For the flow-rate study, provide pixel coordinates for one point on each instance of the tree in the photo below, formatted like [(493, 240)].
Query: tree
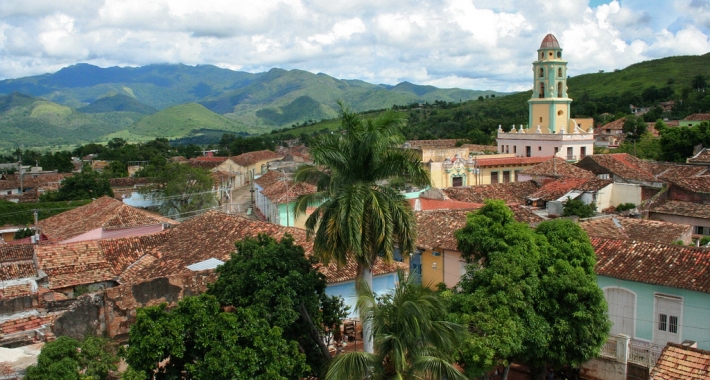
[(412, 337), (88, 184), (116, 143), (182, 190), (534, 297), (198, 340), (699, 83), (276, 280), (575, 207), (116, 169), (634, 127), (67, 358), (59, 161), (357, 218)]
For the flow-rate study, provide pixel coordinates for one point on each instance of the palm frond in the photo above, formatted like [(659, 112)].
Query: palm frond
[(354, 366)]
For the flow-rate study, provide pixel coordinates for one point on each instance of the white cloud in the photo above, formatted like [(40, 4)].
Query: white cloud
[(481, 44)]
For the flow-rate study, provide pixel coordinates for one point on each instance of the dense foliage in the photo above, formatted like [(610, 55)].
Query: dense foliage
[(88, 184), (67, 358), (529, 296), (182, 190), (575, 207), (22, 214)]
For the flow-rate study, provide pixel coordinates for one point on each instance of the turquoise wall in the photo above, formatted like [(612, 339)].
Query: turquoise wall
[(696, 309), (380, 285)]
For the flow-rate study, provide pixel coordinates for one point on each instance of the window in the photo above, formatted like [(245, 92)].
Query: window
[(673, 324), (570, 153), (662, 321), (559, 91), (668, 320), (507, 149), (559, 72), (700, 230), (539, 149), (542, 72), (557, 149), (506, 176), (528, 151), (517, 173), (550, 54), (559, 54), (542, 55), (515, 149), (582, 152), (541, 119), (560, 113), (457, 181), (542, 90), (494, 177)]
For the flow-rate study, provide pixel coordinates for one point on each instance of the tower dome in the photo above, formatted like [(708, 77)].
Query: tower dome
[(549, 42)]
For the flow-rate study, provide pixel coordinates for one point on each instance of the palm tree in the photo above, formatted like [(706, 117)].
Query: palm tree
[(359, 217), (412, 339), (699, 83)]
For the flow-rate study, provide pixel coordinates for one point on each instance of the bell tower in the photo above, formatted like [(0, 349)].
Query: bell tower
[(550, 105)]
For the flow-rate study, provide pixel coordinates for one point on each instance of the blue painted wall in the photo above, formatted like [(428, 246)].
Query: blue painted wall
[(380, 285), (696, 309)]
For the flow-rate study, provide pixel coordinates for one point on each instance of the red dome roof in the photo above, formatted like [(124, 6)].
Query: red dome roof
[(549, 42)]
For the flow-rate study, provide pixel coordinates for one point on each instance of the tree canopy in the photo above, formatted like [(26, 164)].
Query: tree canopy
[(88, 184), (67, 358), (181, 190), (529, 295), (201, 341)]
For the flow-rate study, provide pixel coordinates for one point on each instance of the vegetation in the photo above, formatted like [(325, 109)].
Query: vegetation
[(88, 184), (359, 219), (412, 338), (67, 358), (625, 206), (198, 340), (278, 282), (575, 207), (530, 296), (22, 214), (182, 190)]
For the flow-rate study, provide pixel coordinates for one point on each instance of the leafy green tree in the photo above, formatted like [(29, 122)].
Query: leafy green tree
[(198, 340), (530, 296), (116, 169), (23, 233), (677, 144), (276, 280), (67, 358), (88, 184), (358, 218), (647, 148), (59, 161), (699, 83), (413, 339), (575, 207), (634, 127), (182, 190), (116, 143)]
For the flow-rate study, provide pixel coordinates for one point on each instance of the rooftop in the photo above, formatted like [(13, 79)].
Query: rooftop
[(694, 184), (557, 167), (496, 161), (703, 157), (549, 42), (556, 189), (698, 117), (281, 192), (695, 210), (251, 158), (678, 362), (622, 165), (670, 265), (512, 192), (635, 229), (270, 177)]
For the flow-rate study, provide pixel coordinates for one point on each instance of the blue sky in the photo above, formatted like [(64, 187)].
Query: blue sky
[(476, 44)]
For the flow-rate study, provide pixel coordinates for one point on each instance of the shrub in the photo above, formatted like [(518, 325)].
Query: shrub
[(625, 206)]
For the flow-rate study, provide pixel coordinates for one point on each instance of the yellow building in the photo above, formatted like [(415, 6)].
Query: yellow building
[(550, 130), (479, 169)]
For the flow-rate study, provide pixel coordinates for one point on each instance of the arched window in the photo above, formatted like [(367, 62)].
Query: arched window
[(542, 72), (559, 72), (559, 54), (542, 55), (542, 89), (559, 89)]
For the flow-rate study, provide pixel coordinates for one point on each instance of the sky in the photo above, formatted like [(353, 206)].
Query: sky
[(472, 44)]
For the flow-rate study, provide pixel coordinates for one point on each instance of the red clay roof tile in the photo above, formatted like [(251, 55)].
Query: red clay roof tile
[(682, 363)]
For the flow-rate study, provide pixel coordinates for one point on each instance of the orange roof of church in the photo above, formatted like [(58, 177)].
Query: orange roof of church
[(549, 42)]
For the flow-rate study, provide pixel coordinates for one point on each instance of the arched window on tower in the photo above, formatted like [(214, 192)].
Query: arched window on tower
[(542, 72), (542, 55), (542, 90), (559, 72), (559, 54), (559, 89)]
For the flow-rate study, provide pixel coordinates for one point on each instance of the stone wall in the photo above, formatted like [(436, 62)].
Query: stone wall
[(122, 301)]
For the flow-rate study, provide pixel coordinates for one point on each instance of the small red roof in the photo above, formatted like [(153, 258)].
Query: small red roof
[(549, 42)]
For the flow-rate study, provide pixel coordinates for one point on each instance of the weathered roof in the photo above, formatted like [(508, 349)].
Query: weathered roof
[(635, 229), (123, 252), (512, 192), (104, 212), (616, 125), (129, 181), (436, 227), (17, 261), (698, 117), (623, 165), (251, 158), (695, 210), (556, 168), (678, 362), (441, 143), (670, 265), (12, 181), (426, 204), (271, 177), (668, 171), (509, 161), (703, 157), (73, 264), (281, 192), (15, 252), (694, 184), (549, 42), (554, 190)]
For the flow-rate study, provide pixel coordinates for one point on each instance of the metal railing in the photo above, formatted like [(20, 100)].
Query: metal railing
[(644, 353), (609, 348)]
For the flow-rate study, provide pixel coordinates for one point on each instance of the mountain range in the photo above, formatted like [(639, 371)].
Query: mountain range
[(82, 103)]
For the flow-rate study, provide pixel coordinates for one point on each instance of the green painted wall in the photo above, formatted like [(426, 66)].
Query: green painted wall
[(696, 309)]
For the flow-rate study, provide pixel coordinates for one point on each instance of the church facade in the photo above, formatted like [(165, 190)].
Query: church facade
[(550, 129)]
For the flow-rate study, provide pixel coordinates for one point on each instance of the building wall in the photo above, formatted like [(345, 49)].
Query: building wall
[(544, 144), (679, 194), (604, 197), (440, 178), (679, 219), (625, 193), (694, 322), (446, 267), (380, 285)]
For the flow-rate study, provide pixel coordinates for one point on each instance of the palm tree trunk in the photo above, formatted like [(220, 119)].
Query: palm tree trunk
[(506, 371), (314, 331), (367, 325)]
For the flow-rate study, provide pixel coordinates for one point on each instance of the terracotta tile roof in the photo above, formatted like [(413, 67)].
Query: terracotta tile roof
[(442, 143), (206, 164), (349, 272), (703, 157), (436, 227), (104, 212), (15, 252), (635, 229), (17, 269), (251, 158), (281, 192), (670, 265), (623, 165), (616, 125), (669, 171), (556, 168), (594, 184), (425, 204), (682, 363), (553, 190), (13, 291), (512, 192), (681, 208), (270, 177), (510, 161), (73, 264), (694, 184), (480, 148), (134, 272), (28, 182), (122, 253), (129, 181), (698, 117)]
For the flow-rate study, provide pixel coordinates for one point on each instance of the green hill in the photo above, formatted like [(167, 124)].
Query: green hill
[(179, 121), (117, 103)]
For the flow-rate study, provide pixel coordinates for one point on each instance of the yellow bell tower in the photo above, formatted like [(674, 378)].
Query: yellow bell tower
[(549, 105)]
